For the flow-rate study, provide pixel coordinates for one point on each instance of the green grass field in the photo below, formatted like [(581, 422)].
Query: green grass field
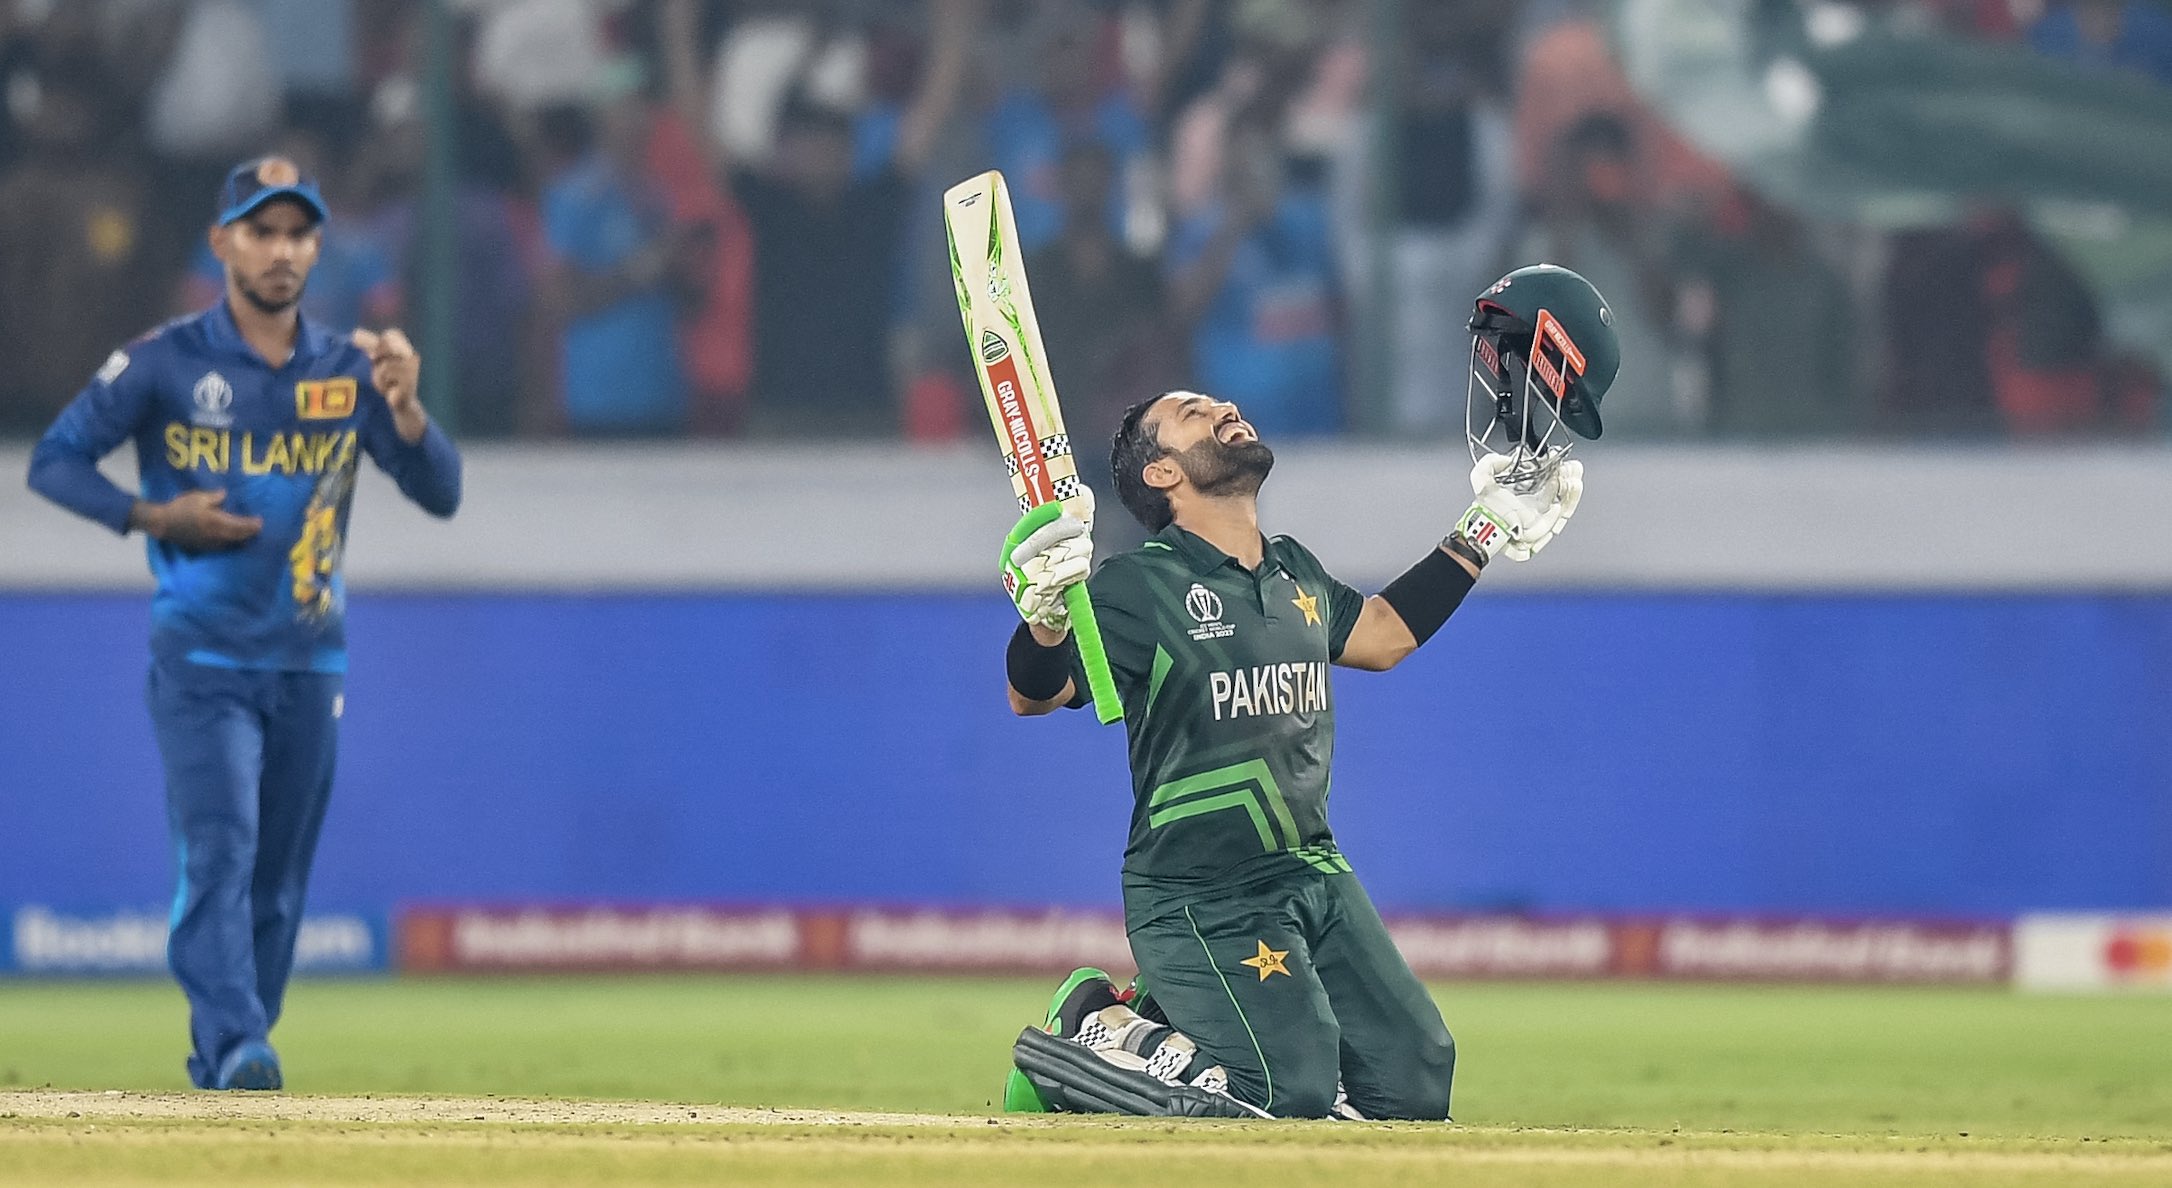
[(1558, 1084)]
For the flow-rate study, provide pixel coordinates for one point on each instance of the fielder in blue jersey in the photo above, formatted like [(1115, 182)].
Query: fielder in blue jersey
[(248, 422)]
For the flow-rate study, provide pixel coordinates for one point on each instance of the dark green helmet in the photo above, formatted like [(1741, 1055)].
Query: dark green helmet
[(1544, 329)]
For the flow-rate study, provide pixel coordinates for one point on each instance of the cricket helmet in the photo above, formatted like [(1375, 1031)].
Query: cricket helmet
[(1543, 354)]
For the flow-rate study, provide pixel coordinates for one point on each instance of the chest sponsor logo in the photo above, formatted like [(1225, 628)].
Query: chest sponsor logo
[(1265, 689), (214, 400), (325, 399), (1205, 608)]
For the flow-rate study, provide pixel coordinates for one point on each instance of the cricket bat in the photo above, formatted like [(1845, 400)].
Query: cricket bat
[(990, 274)]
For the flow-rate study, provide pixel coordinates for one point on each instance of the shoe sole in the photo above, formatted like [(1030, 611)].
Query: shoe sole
[(1019, 1095), (255, 1074)]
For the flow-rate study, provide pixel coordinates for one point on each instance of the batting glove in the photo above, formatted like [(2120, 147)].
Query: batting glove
[(1502, 520), (1046, 553), (1567, 483)]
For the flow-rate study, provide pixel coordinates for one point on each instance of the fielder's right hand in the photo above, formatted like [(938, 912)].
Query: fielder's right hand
[(1046, 553), (195, 521)]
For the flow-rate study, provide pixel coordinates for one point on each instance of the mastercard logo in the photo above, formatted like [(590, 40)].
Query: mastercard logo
[(2139, 953)]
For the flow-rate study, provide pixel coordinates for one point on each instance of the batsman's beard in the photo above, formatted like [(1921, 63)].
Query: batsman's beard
[(1221, 469)]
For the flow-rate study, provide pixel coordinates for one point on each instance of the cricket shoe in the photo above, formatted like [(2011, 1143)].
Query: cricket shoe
[(1343, 1110), (253, 1065), (1081, 996)]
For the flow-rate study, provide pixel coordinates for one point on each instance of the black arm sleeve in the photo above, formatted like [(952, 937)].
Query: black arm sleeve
[(1428, 593), (1037, 673)]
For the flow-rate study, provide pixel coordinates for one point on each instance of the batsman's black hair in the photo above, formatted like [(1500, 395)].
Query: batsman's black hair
[(1134, 446)]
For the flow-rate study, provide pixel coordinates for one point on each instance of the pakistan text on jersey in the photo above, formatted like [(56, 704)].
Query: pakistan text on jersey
[(191, 448), (1269, 689)]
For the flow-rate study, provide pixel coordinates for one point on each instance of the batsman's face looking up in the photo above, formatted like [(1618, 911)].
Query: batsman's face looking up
[(1206, 446), (268, 253)]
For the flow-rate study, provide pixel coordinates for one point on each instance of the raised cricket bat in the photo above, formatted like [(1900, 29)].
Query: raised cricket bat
[(986, 264)]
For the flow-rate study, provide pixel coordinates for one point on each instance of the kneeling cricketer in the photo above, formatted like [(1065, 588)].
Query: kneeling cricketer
[(1268, 986)]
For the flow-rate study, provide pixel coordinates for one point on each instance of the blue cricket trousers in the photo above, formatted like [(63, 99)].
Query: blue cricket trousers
[(248, 757)]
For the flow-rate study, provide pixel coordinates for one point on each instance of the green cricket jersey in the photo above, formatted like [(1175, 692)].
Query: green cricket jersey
[(1231, 722)]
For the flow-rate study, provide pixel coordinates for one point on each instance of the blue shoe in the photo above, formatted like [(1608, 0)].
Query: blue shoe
[(251, 1066)]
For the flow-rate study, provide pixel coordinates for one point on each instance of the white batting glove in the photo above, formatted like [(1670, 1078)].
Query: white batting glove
[(1567, 483), (1046, 553), (1501, 520)]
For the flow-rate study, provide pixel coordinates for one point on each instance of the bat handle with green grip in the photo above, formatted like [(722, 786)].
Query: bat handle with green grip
[(1086, 629)]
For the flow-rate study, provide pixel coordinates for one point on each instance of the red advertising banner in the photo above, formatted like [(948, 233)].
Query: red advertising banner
[(621, 938), (542, 938), (1508, 946), (539, 939), (983, 941), (1810, 950)]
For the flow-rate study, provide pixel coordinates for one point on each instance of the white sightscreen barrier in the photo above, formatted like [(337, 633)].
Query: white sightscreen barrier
[(842, 516)]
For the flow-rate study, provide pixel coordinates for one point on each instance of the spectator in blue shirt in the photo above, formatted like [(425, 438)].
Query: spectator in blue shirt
[(1253, 273), (2108, 34), (616, 277), (1064, 102)]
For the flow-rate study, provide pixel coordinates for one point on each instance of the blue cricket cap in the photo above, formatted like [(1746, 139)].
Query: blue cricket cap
[(268, 179)]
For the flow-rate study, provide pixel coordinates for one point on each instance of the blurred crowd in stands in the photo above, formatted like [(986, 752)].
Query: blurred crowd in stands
[(698, 217)]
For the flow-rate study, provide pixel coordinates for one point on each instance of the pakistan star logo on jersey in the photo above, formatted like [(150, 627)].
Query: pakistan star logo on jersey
[(1269, 961), (1309, 604)]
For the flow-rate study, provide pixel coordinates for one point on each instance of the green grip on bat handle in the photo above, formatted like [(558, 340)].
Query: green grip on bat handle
[(1086, 629)]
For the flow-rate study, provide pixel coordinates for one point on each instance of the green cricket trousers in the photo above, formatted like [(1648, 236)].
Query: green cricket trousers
[(1295, 988)]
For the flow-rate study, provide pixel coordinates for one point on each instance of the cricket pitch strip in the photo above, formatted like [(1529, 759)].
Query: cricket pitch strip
[(130, 1138)]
